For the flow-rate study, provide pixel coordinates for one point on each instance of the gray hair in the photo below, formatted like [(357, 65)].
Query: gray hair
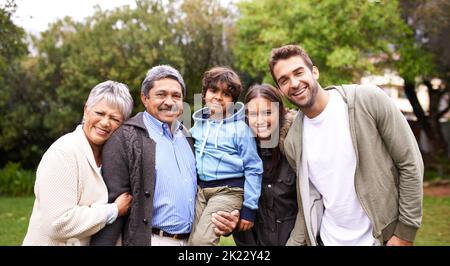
[(160, 72), (115, 93)]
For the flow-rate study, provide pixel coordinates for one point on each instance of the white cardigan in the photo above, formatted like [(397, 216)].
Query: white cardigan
[(71, 195)]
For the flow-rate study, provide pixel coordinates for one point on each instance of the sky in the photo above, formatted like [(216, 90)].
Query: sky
[(35, 15)]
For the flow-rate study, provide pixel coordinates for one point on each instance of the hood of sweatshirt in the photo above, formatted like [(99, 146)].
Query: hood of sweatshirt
[(226, 149), (203, 115)]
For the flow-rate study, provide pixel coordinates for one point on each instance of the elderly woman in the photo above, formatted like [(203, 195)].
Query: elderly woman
[(71, 196), (270, 121)]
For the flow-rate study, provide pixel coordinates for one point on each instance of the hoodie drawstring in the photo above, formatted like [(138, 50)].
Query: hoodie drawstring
[(208, 127), (217, 133), (202, 148)]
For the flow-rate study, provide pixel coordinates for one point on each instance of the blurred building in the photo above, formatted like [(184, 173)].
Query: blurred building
[(392, 84)]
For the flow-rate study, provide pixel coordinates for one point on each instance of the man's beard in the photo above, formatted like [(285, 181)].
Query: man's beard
[(312, 99)]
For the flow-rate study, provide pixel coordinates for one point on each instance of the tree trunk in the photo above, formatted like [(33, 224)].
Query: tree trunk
[(429, 123)]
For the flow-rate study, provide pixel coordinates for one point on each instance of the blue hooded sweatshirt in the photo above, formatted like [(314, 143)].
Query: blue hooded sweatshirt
[(226, 149)]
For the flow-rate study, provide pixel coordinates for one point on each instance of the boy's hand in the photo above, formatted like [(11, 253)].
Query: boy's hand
[(244, 225)]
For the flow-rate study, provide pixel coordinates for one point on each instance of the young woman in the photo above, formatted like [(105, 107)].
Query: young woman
[(270, 122)]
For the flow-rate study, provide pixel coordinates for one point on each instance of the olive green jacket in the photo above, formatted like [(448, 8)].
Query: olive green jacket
[(389, 171)]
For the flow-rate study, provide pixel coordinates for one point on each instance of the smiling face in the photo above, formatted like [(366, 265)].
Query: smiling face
[(263, 117), (100, 121), (164, 101), (297, 81)]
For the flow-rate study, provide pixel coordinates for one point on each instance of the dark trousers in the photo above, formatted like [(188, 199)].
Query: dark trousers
[(319, 240)]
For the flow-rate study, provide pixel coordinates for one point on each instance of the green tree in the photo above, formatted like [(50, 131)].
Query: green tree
[(205, 33), (45, 94), (122, 44), (19, 103), (119, 45), (342, 37), (345, 39), (12, 45), (430, 21)]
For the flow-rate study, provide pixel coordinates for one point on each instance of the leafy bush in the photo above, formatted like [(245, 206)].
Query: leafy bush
[(15, 181), (437, 169)]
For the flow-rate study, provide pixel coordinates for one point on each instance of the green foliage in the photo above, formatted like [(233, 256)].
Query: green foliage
[(49, 90), (12, 45), (437, 168), (14, 181), (431, 23), (206, 33), (42, 95), (12, 50), (414, 62), (343, 38), (119, 45)]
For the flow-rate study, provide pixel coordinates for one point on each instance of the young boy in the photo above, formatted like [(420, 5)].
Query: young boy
[(228, 165)]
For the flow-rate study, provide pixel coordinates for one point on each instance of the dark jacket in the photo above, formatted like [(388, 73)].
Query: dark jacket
[(277, 210), (129, 166)]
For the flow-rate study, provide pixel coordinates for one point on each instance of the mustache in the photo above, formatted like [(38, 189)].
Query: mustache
[(173, 108)]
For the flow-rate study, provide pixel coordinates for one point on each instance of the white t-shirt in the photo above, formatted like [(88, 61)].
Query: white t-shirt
[(331, 161)]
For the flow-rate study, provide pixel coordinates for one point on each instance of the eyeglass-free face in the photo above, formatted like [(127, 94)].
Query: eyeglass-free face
[(164, 101)]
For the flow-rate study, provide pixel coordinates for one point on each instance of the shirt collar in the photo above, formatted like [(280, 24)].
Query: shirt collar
[(161, 127)]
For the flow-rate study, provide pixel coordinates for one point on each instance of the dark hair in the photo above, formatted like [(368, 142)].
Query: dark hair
[(224, 75), (270, 93), (286, 52)]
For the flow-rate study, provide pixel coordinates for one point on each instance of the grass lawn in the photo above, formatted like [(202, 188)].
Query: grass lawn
[(14, 217), (435, 230)]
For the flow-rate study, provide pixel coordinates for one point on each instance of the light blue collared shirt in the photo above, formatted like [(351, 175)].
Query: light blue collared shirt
[(175, 178)]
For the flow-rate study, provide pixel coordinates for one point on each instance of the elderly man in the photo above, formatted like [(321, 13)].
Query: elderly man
[(151, 157)]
